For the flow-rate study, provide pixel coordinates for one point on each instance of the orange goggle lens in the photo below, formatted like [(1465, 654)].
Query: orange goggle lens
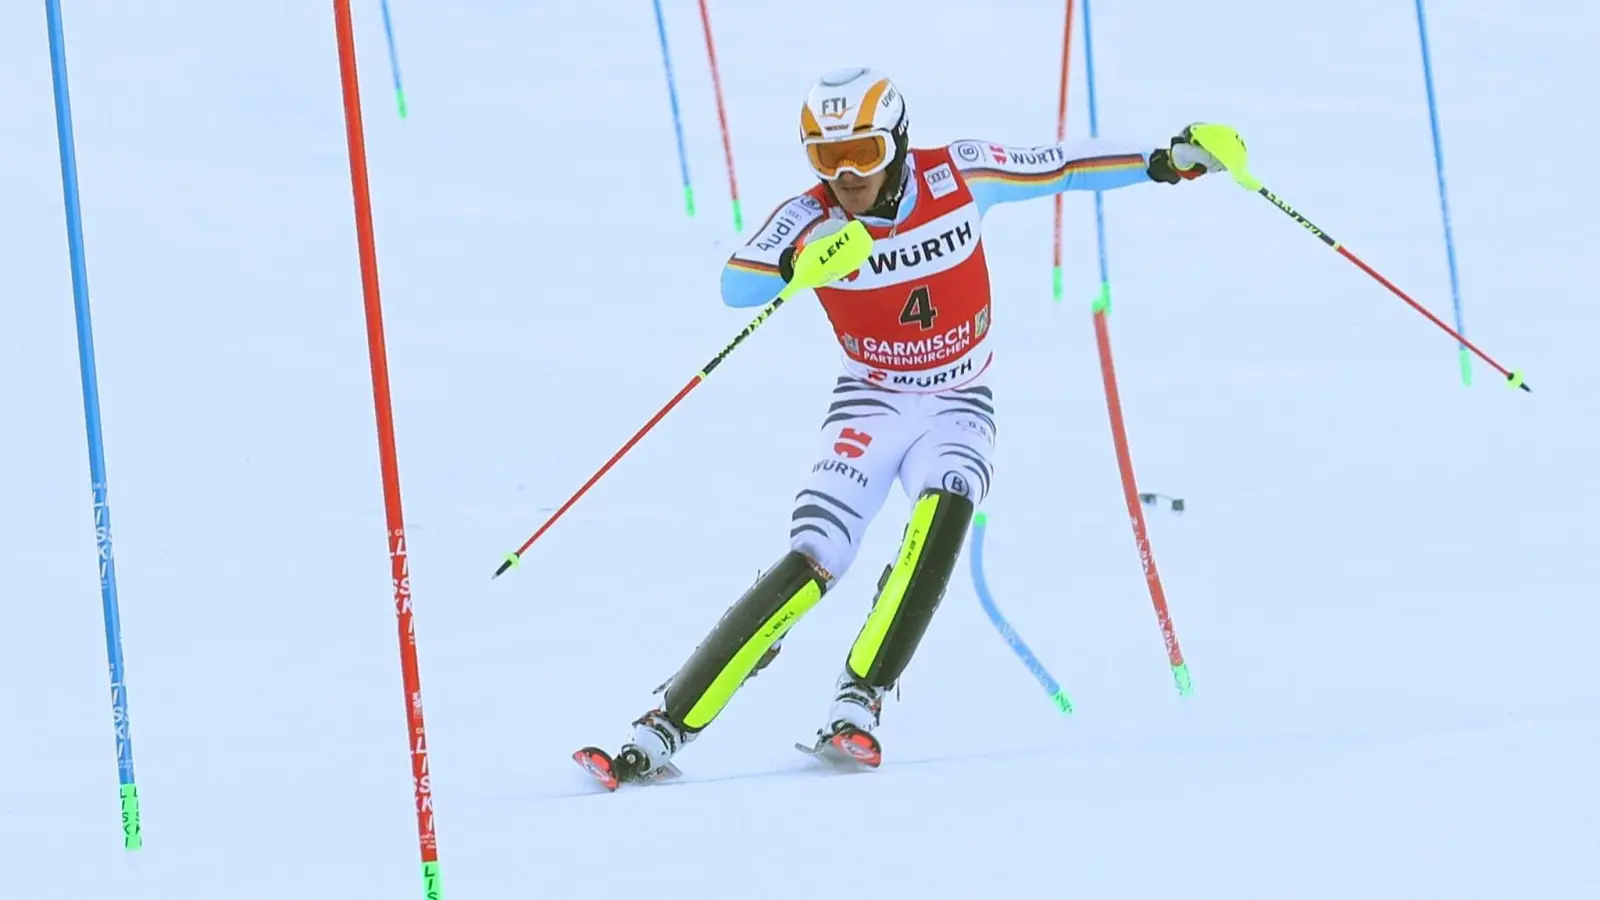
[(864, 155)]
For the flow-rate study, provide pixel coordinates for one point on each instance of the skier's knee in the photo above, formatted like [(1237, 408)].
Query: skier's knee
[(966, 476), (829, 556), (912, 588), (827, 529)]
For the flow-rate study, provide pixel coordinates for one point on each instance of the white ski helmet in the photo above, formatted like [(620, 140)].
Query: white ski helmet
[(855, 120)]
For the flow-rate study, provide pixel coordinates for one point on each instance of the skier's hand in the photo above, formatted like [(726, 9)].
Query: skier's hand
[(1183, 161), (822, 229), (839, 255)]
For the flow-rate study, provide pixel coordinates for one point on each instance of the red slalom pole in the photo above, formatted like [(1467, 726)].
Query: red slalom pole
[(1130, 491), (1056, 277), (722, 117), (400, 568)]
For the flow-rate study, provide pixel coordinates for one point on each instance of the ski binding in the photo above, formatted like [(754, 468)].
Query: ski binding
[(603, 769)]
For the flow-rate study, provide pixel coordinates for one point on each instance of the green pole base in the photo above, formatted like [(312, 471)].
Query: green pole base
[(132, 834), (1102, 303), (1180, 676), (431, 888), (1062, 702), (688, 199), (1466, 368), (1056, 283), (738, 217), (400, 100)]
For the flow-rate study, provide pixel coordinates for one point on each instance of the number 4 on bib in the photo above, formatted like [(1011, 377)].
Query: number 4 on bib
[(919, 309)]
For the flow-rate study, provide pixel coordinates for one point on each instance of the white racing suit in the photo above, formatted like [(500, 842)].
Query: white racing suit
[(911, 404)]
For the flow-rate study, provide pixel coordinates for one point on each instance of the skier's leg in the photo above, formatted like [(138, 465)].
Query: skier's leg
[(956, 450), (744, 634), (743, 641), (860, 450), (947, 471), (863, 442), (911, 588)]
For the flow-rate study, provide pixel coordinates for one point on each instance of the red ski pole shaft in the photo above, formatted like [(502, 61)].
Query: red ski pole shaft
[(512, 559), (1513, 377), (1056, 277), (1225, 144), (815, 264), (400, 567), (1229, 149), (1130, 491)]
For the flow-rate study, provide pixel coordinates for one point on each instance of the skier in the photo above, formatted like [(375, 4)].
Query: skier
[(911, 402)]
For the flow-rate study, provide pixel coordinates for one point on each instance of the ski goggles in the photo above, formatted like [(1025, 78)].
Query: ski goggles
[(864, 154)]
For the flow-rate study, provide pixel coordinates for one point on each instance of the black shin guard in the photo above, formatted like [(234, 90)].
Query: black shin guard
[(911, 590), (741, 638)]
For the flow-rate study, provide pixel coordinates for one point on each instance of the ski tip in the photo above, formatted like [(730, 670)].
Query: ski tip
[(598, 764), (849, 748), (858, 746)]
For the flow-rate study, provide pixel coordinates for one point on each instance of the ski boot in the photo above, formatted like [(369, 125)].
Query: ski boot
[(855, 713), (644, 760)]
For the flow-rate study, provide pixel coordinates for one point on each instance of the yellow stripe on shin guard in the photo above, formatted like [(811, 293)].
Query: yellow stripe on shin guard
[(870, 642), (744, 662)]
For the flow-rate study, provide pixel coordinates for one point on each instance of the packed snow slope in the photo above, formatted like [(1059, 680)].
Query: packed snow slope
[(1384, 581)]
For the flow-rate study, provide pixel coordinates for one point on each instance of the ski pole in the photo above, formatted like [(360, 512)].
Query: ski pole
[(826, 260), (1225, 144)]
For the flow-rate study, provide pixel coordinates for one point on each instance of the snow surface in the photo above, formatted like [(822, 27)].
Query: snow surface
[(1384, 581)]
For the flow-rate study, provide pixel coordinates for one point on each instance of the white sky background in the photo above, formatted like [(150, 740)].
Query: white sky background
[(1383, 583)]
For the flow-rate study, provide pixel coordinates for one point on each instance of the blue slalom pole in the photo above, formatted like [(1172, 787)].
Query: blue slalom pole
[(980, 523), (1102, 303), (132, 837), (1444, 201), (677, 120), (394, 60)]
